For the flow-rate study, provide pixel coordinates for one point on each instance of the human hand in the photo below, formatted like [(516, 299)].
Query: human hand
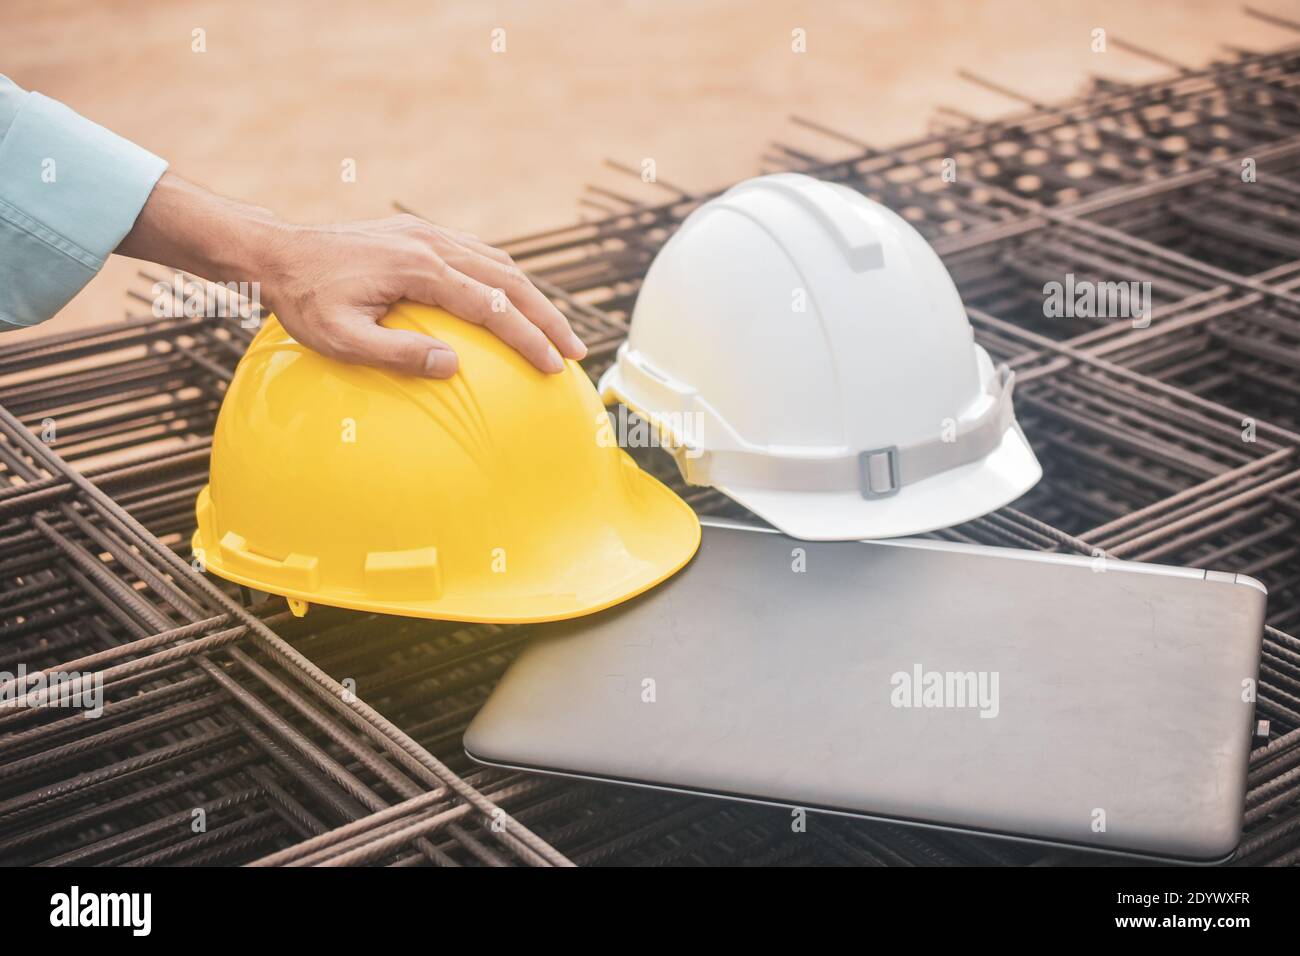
[(330, 285)]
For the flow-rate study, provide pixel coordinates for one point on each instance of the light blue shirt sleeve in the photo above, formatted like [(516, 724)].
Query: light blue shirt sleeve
[(70, 191)]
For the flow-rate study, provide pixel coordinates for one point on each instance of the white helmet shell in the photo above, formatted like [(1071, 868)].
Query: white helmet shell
[(803, 349)]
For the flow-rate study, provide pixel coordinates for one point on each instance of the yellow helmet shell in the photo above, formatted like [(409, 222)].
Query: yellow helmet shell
[(496, 495)]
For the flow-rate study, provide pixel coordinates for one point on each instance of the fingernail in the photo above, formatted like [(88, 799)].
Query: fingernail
[(553, 361), (440, 363), (580, 347)]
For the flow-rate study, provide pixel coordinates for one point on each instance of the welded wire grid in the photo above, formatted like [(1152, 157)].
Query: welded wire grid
[(235, 733)]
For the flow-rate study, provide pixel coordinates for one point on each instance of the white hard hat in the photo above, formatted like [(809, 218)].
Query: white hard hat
[(802, 349)]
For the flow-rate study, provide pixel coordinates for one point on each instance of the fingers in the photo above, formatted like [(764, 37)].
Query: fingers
[(430, 232), (475, 244), (489, 266), (362, 268), (358, 339), (529, 300), (491, 308)]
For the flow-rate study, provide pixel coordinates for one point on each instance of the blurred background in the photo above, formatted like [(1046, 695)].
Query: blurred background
[(502, 143)]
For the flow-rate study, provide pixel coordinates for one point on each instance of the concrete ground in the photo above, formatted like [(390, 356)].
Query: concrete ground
[(501, 143)]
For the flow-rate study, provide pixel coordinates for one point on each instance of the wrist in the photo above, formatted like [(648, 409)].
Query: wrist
[(266, 255), (242, 245), (188, 228), (235, 241)]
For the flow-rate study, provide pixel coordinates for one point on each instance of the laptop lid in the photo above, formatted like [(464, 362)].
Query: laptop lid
[(1050, 697)]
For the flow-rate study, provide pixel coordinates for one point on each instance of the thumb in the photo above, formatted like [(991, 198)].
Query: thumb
[(365, 342)]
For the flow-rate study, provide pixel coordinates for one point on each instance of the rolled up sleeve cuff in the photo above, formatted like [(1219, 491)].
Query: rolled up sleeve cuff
[(70, 191)]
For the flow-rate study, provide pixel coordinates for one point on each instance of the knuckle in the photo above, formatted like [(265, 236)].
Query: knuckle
[(423, 231), (479, 314), (497, 323), (408, 358), (408, 245), (515, 276), (421, 257)]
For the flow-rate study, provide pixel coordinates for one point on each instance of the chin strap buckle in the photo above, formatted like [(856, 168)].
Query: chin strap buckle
[(878, 472)]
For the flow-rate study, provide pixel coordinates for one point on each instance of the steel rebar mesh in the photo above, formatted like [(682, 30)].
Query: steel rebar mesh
[(272, 725)]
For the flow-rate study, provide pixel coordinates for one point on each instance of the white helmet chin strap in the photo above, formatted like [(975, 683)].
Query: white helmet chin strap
[(874, 473)]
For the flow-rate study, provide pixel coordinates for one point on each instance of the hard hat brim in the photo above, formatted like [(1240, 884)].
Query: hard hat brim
[(628, 567), (942, 501)]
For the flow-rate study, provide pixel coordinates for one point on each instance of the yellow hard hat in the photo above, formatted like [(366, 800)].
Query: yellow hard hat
[(496, 495)]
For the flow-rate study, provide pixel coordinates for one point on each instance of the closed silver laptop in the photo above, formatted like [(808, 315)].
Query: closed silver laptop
[(1067, 700)]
